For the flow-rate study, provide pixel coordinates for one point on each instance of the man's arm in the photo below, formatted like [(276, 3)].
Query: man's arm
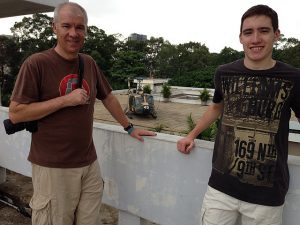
[(28, 112), (112, 104), (186, 144)]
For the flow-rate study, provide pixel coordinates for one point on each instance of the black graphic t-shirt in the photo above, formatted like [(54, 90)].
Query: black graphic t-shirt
[(251, 148)]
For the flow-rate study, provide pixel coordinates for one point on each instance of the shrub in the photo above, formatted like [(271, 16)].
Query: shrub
[(208, 134), (166, 91), (147, 89), (204, 95), (159, 128)]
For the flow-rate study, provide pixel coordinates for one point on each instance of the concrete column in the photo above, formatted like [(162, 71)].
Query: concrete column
[(126, 218), (2, 175)]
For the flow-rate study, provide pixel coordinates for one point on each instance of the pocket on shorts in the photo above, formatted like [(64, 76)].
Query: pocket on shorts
[(41, 210), (202, 213)]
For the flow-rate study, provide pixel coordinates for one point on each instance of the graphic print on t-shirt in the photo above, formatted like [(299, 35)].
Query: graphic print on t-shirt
[(252, 109), (70, 83)]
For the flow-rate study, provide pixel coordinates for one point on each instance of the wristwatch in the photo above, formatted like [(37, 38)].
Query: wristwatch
[(129, 127)]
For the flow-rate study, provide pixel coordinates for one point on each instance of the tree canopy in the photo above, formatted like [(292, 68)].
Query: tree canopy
[(188, 64)]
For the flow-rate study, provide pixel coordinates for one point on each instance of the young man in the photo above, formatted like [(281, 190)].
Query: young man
[(253, 97), (65, 172)]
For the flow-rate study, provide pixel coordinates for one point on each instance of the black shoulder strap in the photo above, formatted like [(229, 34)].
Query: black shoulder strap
[(80, 71)]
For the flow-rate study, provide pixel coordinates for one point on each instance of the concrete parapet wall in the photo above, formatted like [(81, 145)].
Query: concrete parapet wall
[(149, 180)]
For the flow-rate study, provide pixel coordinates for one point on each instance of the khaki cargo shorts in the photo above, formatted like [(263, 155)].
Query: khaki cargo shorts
[(66, 196)]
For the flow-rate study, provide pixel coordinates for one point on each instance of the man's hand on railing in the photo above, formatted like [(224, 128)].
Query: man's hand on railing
[(139, 133), (185, 145)]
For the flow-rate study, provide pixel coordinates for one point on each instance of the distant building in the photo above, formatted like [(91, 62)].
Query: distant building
[(137, 37)]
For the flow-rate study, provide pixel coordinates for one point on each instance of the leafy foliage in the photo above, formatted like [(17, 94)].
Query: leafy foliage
[(204, 95), (187, 64), (208, 134), (101, 47), (147, 89), (33, 34), (191, 123), (166, 90), (159, 128), (198, 78)]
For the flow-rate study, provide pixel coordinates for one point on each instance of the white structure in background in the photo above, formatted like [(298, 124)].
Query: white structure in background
[(155, 84), (9, 8)]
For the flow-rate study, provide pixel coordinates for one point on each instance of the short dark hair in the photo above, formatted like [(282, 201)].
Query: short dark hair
[(261, 10)]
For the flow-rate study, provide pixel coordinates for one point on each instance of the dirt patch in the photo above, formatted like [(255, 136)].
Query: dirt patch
[(17, 192), (10, 216)]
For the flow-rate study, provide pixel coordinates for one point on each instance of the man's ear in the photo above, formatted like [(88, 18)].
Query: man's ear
[(277, 35), (54, 27)]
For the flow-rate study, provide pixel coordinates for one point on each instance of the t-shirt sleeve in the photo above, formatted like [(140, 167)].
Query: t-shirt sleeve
[(218, 94), (26, 89), (103, 87)]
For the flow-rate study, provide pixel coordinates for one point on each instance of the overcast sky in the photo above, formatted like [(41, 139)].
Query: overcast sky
[(214, 23)]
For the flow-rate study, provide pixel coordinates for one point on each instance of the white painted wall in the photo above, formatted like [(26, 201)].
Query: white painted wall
[(150, 180)]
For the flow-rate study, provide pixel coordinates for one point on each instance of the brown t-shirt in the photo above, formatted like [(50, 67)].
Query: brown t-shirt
[(64, 138)]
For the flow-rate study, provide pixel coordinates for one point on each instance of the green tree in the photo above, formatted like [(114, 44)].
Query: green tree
[(166, 60), (188, 64), (154, 46), (101, 47), (128, 64), (228, 55), (9, 59), (199, 78), (287, 50), (34, 34), (8, 53), (193, 56)]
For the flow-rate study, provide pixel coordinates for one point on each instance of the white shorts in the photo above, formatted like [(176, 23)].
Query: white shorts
[(221, 209)]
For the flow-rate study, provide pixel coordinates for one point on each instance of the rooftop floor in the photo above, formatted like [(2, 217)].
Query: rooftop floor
[(171, 115)]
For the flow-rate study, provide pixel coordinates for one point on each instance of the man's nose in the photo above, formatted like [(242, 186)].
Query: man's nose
[(73, 31), (256, 37)]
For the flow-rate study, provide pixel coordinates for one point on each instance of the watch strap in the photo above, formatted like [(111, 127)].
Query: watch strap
[(128, 127)]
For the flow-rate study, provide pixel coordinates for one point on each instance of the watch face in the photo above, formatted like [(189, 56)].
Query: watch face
[(129, 126)]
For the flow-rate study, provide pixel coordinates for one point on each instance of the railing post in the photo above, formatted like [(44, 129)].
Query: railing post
[(2, 175), (126, 218)]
